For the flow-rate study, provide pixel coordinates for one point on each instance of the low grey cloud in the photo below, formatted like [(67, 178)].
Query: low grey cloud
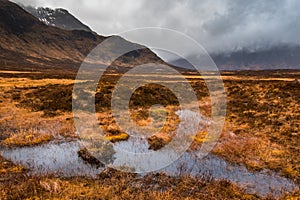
[(219, 25)]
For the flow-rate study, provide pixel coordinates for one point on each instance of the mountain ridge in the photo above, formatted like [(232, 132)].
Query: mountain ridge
[(28, 43), (58, 17)]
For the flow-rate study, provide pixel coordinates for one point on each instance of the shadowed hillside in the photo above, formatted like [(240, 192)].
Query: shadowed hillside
[(27, 43)]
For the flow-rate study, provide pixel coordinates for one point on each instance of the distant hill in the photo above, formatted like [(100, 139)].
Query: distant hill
[(277, 57), (60, 18)]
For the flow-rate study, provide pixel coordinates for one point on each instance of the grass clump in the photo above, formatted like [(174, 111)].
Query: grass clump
[(27, 139), (119, 137)]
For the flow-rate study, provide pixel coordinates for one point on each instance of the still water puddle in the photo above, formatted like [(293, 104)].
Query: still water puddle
[(62, 159), (53, 158), (262, 182)]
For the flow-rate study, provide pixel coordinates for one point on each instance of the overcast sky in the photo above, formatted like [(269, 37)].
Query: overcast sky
[(218, 25)]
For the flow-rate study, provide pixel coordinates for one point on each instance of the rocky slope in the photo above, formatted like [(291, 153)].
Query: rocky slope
[(60, 18)]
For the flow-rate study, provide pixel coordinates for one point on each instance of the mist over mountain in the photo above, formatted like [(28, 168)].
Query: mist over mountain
[(276, 57), (221, 26), (223, 34)]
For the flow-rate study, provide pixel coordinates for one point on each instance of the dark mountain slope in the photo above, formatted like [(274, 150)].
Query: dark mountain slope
[(26, 42)]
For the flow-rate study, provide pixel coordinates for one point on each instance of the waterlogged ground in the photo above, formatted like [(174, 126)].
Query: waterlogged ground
[(61, 159), (258, 150)]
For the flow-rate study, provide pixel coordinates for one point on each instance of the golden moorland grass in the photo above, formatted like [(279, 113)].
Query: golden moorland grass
[(258, 111), (261, 131), (264, 115), (22, 127), (29, 138), (112, 184)]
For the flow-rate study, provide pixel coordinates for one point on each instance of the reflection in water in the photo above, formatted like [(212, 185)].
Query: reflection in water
[(135, 155), (62, 159), (262, 182)]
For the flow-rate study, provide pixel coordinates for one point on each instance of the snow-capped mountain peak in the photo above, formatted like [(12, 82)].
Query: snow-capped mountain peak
[(58, 17)]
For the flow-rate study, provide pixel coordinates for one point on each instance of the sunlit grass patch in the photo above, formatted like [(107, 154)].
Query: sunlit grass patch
[(7, 168), (25, 82), (25, 138), (118, 137), (14, 169), (199, 138)]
